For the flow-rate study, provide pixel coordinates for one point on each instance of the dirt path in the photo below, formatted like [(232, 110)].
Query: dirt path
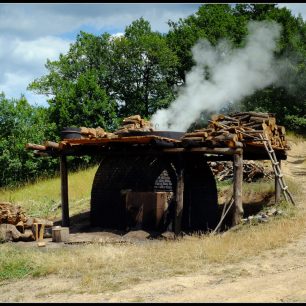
[(277, 275)]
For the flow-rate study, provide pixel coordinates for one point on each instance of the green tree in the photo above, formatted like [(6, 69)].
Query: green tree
[(78, 85), (21, 123), (286, 98), (143, 69), (211, 22), (103, 77)]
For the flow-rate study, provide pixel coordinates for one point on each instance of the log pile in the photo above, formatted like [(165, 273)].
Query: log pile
[(134, 123), (15, 225), (235, 129), (252, 171), (96, 133)]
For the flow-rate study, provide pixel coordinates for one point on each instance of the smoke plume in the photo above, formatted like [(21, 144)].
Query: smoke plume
[(223, 74)]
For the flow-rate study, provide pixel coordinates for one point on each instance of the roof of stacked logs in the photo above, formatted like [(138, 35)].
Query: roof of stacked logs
[(235, 129)]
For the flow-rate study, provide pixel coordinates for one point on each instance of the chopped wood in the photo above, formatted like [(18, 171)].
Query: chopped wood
[(246, 126), (252, 171)]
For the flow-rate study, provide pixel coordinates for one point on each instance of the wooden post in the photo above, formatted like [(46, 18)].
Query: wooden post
[(238, 177), (179, 203), (64, 191), (277, 187)]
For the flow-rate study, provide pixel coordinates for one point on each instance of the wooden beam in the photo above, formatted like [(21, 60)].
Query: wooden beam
[(34, 146), (64, 191), (179, 203), (277, 187), (238, 177), (226, 151), (52, 144)]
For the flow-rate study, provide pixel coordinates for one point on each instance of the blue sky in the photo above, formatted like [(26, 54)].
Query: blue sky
[(32, 33)]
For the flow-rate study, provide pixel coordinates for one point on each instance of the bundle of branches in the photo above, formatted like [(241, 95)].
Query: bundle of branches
[(252, 171), (133, 123), (234, 129)]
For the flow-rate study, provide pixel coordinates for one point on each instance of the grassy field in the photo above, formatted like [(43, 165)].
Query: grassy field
[(43, 198), (101, 268)]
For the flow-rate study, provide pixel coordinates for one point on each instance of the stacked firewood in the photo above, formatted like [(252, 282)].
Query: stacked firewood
[(15, 225), (133, 123), (96, 133), (252, 171), (235, 129)]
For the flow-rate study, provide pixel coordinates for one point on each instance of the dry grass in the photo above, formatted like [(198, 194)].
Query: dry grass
[(295, 138), (102, 268)]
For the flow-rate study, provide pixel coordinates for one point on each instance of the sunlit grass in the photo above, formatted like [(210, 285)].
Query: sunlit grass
[(101, 268), (104, 268), (42, 199)]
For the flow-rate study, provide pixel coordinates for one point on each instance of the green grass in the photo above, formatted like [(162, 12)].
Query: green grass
[(42, 199)]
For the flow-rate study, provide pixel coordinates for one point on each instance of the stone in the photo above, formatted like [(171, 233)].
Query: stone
[(168, 235), (137, 235)]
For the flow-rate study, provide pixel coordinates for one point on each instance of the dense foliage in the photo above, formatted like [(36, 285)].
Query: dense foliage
[(21, 123), (103, 78)]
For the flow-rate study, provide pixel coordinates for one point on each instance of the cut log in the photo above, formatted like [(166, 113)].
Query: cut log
[(51, 144), (33, 146), (196, 134), (9, 232), (11, 214)]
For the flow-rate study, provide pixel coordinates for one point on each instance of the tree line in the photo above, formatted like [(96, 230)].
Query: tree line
[(104, 78)]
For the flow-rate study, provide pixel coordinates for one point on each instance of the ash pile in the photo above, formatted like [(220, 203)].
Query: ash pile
[(252, 171), (15, 225)]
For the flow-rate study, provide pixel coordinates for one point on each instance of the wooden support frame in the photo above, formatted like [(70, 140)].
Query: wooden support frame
[(238, 178), (179, 203), (64, 191), (278, 189)]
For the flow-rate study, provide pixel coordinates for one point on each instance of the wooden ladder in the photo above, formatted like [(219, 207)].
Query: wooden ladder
[(276, 168)]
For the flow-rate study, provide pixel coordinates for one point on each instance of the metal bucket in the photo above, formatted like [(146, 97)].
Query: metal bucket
[(71, 133)]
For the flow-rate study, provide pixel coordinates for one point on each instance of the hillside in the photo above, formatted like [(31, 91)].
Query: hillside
[(263, 263)]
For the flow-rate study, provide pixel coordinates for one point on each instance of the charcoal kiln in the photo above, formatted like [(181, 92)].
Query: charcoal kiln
[(161, 180), (138, 192)]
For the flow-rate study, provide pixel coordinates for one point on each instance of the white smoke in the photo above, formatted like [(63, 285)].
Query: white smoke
[(223, 74)]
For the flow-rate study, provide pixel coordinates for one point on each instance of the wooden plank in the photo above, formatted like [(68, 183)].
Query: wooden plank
[(130, 139), (64, 190), (226, 151), (238, 176)]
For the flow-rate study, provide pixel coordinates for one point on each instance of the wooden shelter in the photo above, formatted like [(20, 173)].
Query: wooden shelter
[(231, 138)]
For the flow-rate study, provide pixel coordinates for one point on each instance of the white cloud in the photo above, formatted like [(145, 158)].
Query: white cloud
[(30, 33), (22, 61), (295, 8)]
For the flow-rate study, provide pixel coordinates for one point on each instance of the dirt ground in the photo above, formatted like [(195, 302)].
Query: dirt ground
[(277, 275)]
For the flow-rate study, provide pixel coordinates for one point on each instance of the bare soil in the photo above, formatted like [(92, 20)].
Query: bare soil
[(277, 275)]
